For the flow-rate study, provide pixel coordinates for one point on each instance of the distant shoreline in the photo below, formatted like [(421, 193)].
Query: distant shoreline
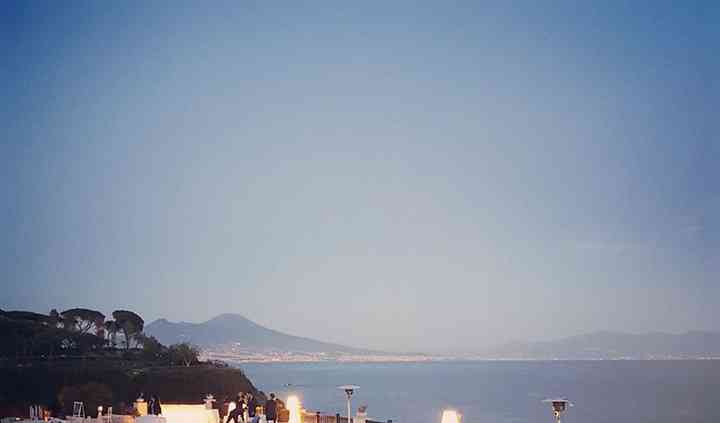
[(417, 360)]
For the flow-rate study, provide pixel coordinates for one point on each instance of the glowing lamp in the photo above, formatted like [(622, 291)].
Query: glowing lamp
[(450, 416), (293, 406)]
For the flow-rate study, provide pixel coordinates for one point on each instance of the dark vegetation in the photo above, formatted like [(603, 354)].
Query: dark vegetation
[(77, 355)]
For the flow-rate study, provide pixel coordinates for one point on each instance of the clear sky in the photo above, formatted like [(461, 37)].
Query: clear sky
[(396, 175)]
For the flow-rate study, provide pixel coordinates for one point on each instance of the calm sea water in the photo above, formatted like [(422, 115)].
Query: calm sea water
[(506, 392)]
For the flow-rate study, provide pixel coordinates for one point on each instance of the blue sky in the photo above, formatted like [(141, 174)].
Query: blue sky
[(405, 176)]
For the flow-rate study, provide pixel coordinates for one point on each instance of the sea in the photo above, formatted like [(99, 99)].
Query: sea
[(651, 391)]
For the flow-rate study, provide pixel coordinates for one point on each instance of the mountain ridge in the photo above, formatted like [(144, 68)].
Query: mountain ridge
[(232, 331), (232, 328), (615, 344)]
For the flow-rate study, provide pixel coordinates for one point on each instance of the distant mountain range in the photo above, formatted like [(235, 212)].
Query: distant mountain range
[(607, 345), (238, 336), (229, 329)]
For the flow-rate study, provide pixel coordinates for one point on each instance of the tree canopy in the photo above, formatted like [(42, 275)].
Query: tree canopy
[(80, 331), (184, 353), (130, 324), (84, 320), (25, 334)]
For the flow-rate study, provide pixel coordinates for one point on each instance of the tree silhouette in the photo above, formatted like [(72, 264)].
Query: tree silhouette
[(184, 353), (84, 320), (130, 324), (112, 329)]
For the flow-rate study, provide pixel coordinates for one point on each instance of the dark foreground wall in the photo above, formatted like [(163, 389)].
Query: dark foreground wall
[(104, 382)]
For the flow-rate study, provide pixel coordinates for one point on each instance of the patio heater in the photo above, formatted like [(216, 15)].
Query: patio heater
[(559, 406), (349, 391)]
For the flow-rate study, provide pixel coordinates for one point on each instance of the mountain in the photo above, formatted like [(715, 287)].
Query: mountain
[(227, 329), (600, 345)]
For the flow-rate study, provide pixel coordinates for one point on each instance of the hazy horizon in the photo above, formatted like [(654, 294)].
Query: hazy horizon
[(470, 351), (401, 177)]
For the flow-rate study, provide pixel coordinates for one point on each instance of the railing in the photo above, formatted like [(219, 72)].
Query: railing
[(317, 417)]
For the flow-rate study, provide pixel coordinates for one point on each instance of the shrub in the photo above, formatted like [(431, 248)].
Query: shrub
[(92, 395), (184, 353)]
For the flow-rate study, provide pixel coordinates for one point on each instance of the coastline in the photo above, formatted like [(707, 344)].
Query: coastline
[(302, 358)]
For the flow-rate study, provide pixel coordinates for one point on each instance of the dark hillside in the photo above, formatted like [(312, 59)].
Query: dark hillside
[(42, 382), (57, 358)]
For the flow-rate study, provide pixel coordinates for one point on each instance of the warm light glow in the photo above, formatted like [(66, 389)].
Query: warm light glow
[(188, 413), (293, 405), (450, 416)]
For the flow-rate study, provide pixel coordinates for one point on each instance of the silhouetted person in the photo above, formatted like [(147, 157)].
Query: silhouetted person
[(243, 407), (282, 412), (271, 409), (252, 406), (154, 406), (237, 414)]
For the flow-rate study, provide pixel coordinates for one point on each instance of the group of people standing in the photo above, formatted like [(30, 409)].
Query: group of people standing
[(245, 410)]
